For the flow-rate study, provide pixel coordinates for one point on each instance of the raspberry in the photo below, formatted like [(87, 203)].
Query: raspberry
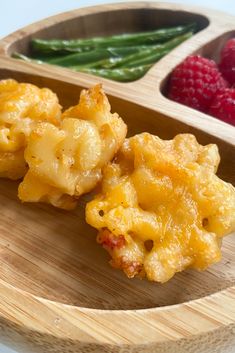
[(195, 82), (223, 106), (227, 63)]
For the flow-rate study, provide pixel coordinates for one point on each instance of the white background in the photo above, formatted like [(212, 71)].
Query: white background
[(15, 14)]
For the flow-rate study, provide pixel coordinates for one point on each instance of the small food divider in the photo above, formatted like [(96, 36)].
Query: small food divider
[(57, 293)]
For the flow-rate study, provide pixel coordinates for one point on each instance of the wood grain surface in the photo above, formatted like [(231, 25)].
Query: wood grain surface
[(57, 291)]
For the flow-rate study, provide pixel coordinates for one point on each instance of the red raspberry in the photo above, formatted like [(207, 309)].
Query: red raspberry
[(227, 63), (223, 106), (195, 82)]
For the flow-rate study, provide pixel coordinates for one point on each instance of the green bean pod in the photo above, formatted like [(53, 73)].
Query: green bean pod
[(121, 75), (121, 40), (26, 58), (141, 58), (94, 55)]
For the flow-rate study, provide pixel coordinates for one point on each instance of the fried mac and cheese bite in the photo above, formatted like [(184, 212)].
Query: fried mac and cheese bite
[(67, 161), (162, 208), (22, 105)]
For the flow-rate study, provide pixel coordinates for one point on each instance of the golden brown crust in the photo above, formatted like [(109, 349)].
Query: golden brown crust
[(164, 199), (66, 162), (22, 106)]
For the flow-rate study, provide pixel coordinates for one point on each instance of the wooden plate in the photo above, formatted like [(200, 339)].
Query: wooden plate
[(57, 291)]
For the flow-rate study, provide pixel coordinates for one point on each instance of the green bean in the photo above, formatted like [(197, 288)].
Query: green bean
[(81, 59), (77, 59), (147, 56), (51, 46), (47, 57), (153, 57), (102, 64), (121, 40), (40, 59), (125, 57), (122, 74), (94, 55), (26, 58)]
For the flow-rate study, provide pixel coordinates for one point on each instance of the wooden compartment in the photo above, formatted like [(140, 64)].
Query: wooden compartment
[(109, 20), (210, 50), (57, 292)]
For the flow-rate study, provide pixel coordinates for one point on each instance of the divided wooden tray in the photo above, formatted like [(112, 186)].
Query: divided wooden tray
[(57, 291)]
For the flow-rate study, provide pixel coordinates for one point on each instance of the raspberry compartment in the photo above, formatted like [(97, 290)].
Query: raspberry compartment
[(210, 50)]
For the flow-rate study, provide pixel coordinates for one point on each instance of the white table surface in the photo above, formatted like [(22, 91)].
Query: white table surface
[(15, 14)]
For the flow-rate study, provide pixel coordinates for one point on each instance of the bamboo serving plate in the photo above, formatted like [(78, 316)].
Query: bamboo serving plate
[(57, 292)]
